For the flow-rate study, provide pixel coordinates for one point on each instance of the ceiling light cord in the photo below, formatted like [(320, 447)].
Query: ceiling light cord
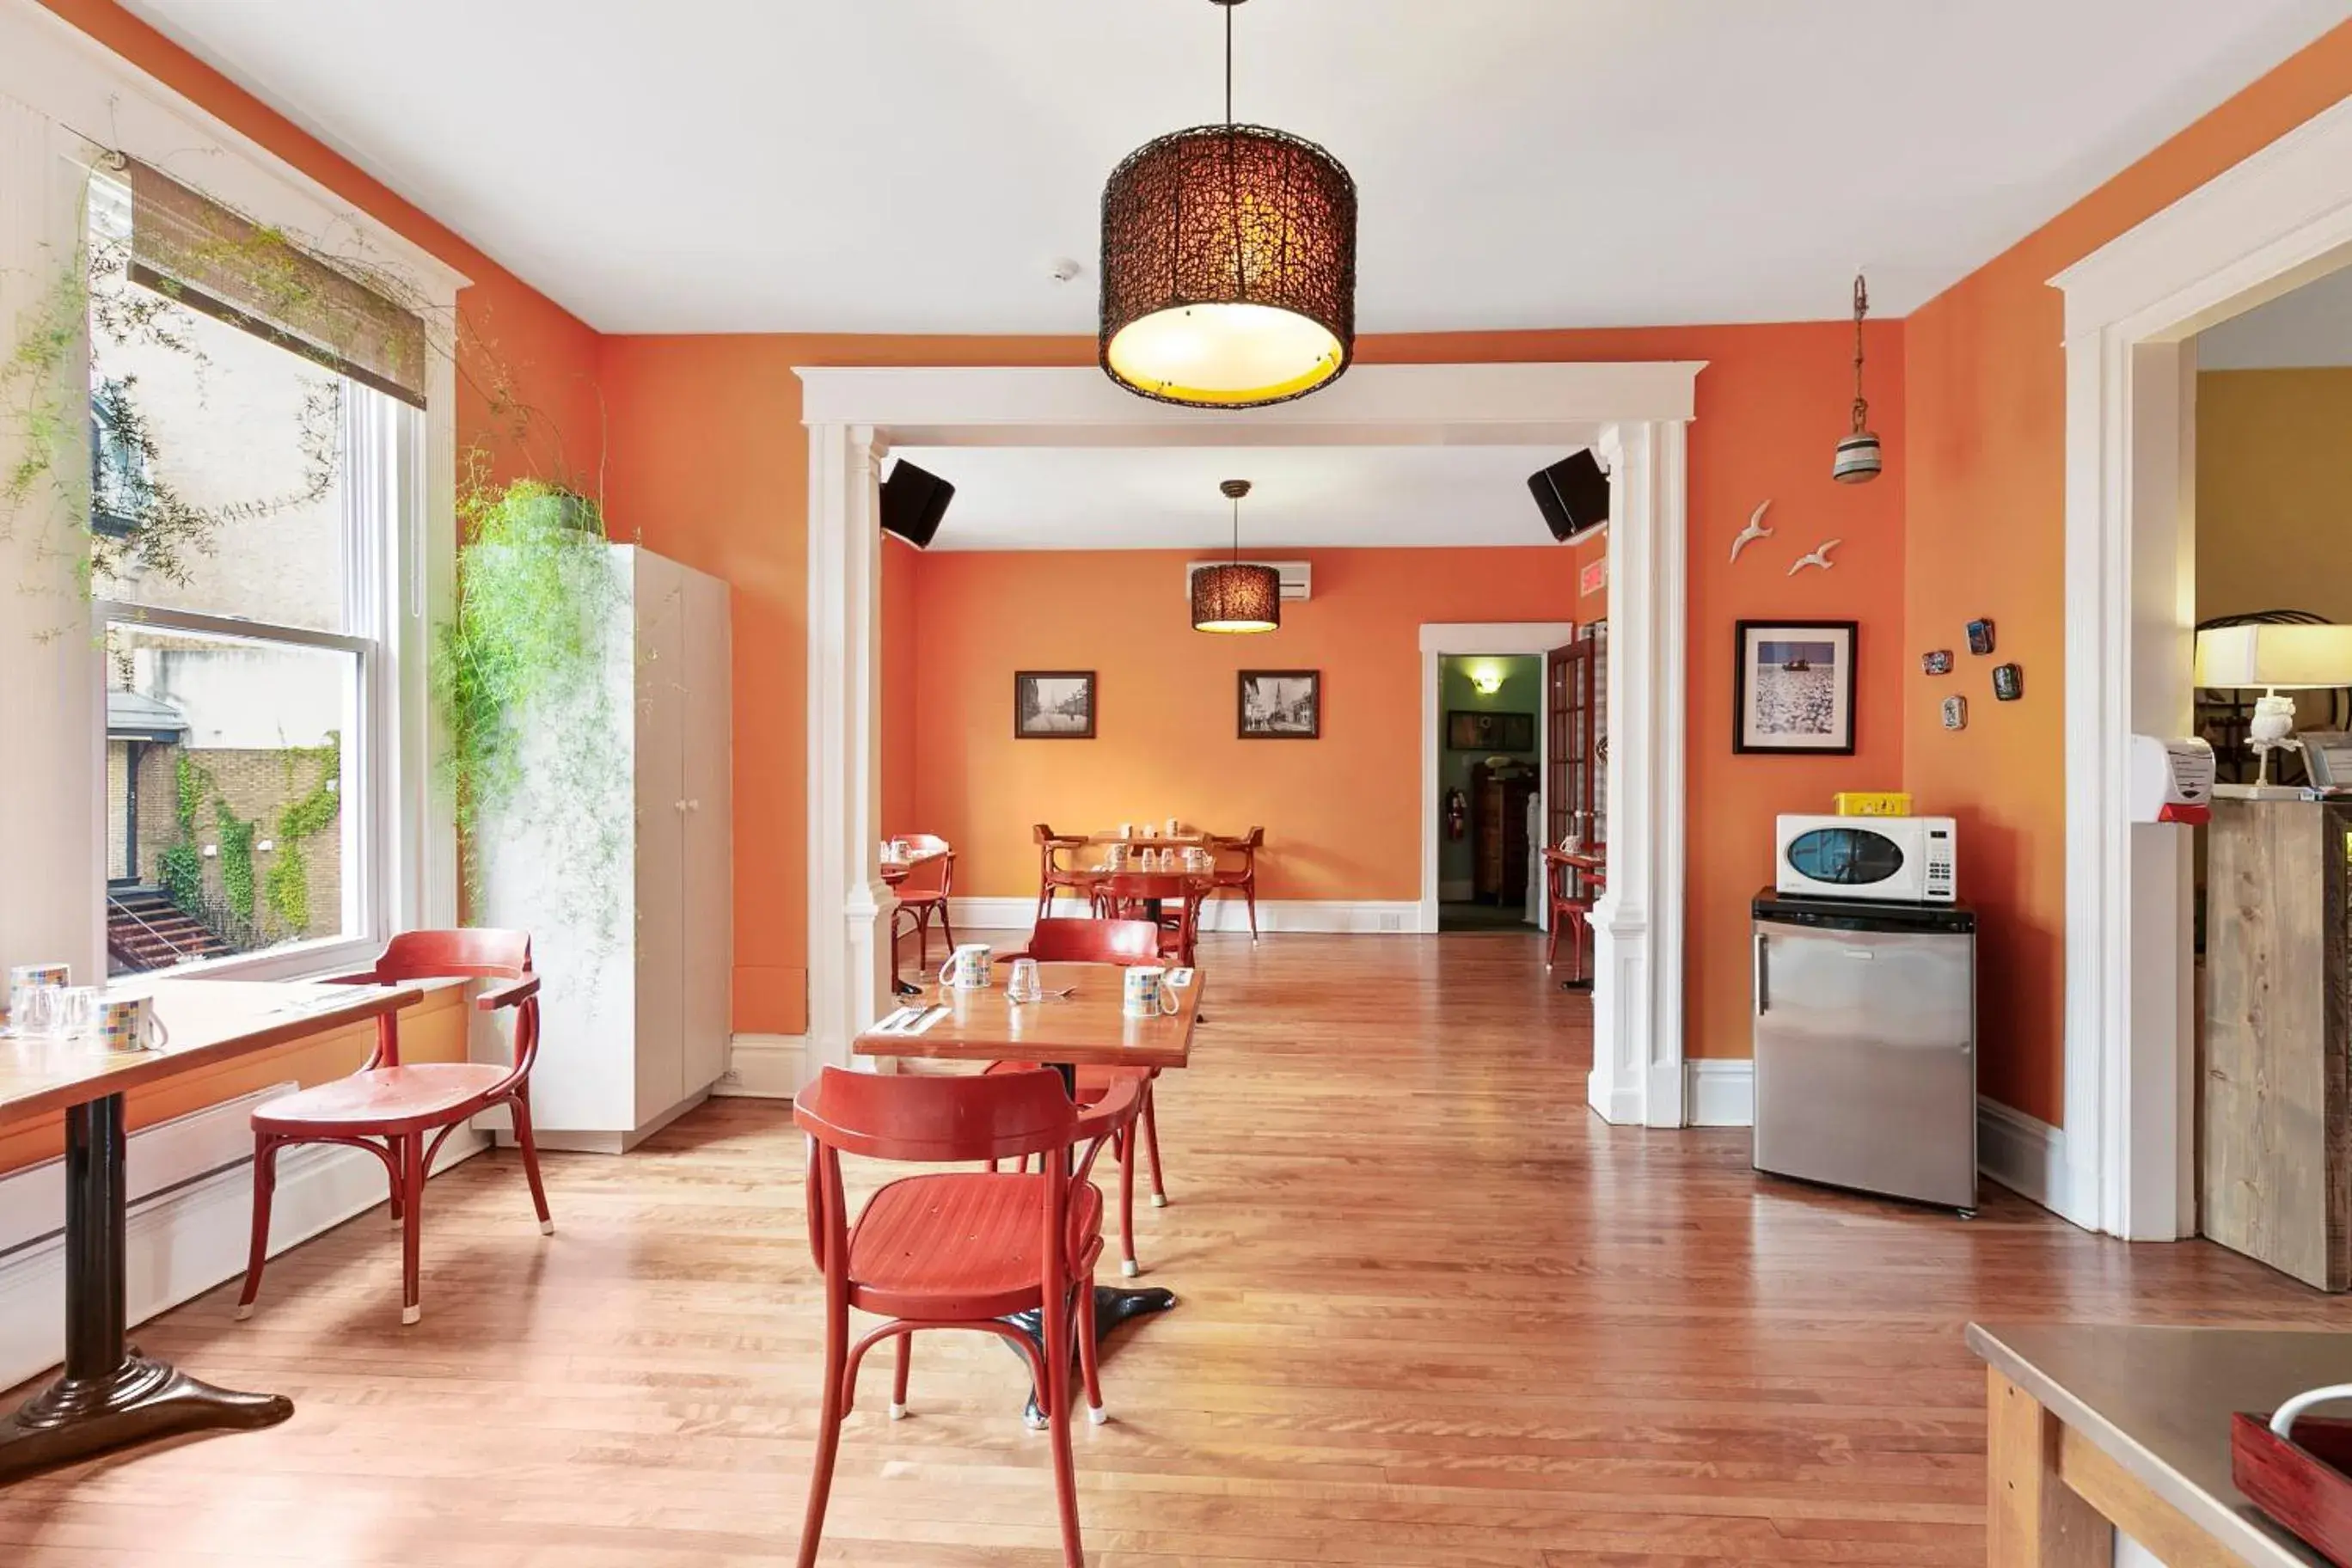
[(1861, 309)]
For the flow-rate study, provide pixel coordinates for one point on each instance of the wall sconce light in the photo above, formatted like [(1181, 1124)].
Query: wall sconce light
[(1486, 682)]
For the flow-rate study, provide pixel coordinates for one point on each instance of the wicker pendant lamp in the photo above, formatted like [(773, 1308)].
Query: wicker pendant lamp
[(1236, 595), (1228, 264)]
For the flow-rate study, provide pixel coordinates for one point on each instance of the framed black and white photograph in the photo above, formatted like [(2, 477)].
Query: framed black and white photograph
[(1793, 688), (1281, 704), (1053, 704)]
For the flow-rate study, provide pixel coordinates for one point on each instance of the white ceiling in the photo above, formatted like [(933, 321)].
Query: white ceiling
[(916, 165), (2310, 326), (1166, 498)]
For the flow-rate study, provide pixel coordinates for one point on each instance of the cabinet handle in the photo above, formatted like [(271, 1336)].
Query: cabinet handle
[(694, 806), (1763, 977), (679, 807)]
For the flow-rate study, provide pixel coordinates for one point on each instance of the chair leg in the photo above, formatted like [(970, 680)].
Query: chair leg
[(1551, 942), (1151, 1142), (265, 1187), (923, 938), (412, 1167), (1081, 1314), (1055, 1320), (530, 1159), (828, 1429), (947, 926), (898, 1383), (1249, 892), (1124, 1147)]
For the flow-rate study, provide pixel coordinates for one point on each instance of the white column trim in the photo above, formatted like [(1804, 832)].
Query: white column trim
[(1635, 411), (2272, 222)]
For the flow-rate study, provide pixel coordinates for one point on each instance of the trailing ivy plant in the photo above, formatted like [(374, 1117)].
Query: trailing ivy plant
[(237, 836), (286, 886), (521, 680)]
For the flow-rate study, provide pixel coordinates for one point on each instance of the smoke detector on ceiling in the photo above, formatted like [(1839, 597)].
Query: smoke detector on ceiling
[(1068, 270)]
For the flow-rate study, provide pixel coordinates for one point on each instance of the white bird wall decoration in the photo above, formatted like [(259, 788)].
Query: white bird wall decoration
[(1819, 556), (1753, 531)]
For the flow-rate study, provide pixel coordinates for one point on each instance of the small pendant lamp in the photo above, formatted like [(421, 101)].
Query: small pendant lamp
[(1237, 596), (1858, 456), (1228, 264)]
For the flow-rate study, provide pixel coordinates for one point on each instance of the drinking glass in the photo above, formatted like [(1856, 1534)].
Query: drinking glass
[(33, 1009), (1025, 985), (77, 1010)]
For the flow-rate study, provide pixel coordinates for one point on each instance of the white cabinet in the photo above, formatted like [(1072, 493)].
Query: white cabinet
[(614, 852)]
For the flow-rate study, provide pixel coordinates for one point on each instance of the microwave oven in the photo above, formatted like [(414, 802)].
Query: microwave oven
[(1898, 860)]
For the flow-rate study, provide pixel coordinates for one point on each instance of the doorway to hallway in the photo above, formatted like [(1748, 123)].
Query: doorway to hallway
[(1490, 718)]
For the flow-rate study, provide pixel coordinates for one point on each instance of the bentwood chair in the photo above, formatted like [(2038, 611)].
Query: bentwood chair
[(1176, 895), (923, 896), (1573, 883), (1239, 874), (1054, 875), (1127, 943), (957, 1250), (401, 1112)]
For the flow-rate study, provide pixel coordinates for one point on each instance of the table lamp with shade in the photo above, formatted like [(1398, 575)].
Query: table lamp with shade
[(2273, 659)]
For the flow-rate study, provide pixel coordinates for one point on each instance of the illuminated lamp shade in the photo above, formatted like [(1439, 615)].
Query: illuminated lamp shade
[(1236, 596), (1228, 264)]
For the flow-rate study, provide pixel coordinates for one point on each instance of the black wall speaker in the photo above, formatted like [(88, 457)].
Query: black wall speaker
[(1573, 494), (914, 499)]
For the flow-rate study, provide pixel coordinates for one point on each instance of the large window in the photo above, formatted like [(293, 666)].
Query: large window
[(244, 517)]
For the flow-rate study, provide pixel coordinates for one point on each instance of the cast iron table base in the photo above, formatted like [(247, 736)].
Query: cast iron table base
[(110, 1396)]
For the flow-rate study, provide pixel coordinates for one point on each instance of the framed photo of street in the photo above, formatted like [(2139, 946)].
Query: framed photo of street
[(1281, 705), (1053, 704)]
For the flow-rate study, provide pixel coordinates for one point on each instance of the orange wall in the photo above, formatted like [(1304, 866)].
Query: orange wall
[(518, 349), (1985, 511), (1343, 813)]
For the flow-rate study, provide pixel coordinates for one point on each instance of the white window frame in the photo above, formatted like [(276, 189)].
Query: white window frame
[(91, 97)]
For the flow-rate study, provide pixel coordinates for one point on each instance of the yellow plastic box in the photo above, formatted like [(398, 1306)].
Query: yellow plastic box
[(1874, 802)]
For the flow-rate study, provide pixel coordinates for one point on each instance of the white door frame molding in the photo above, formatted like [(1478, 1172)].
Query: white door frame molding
[(2271, 223), (1471, 640), (1634, 414)]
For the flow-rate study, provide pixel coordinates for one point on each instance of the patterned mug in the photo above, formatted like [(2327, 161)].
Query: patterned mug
[(1144, 992), (128, 1024), (971, 967)]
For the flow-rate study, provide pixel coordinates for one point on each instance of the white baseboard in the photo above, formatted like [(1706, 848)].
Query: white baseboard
[(1719, 1093), (2028, 1156), (764, 1066), (1224, 912), (1622, 1108), (186, 1241)]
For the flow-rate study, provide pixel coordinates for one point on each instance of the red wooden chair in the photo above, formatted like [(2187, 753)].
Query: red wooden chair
[(389, 1108), (923, 897), (1574, 881), (1135, 895), (1054, 876), (957, 1250), (1239, 876), (1128, 942)]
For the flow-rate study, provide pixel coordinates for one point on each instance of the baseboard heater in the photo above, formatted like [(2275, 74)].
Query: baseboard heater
[(158, 1162)]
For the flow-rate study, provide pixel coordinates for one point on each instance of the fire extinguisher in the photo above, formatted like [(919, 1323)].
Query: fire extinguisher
[(1457, 813)]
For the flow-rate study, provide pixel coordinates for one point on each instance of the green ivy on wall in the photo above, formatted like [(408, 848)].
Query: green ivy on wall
[(286, 886), (237, 836)]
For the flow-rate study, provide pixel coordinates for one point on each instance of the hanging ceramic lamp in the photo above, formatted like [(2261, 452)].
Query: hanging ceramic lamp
[(1237, 596), (1859, 458), (1228, 264)]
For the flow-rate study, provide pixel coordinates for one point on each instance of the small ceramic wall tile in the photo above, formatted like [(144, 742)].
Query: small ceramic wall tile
[(1980, 637), (2007, 681), (1936, 663), (1956, 712)]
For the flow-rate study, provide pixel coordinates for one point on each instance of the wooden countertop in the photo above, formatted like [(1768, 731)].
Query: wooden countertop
[(207, 1021), (2157, 1400)]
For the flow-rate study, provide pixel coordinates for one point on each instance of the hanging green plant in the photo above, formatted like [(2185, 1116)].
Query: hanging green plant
[(237, 836), (536, 598), (286, 886)]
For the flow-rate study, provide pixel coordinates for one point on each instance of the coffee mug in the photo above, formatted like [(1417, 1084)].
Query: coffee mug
[(1025, 985), (1174, 827), (1144, 995), (128, 1024), (969, 968)]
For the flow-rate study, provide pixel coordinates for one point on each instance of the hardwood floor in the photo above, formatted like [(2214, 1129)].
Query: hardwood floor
[(1432, 1313)]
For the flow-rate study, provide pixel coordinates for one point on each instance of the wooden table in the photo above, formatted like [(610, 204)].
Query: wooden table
[(2096, 1427), (109, 1396), (1087, 1028)]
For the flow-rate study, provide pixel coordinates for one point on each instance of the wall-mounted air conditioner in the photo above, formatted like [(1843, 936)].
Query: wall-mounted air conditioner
[(1297, 576)]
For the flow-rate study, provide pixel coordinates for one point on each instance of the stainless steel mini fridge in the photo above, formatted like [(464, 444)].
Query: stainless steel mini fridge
[(1866, 1046)]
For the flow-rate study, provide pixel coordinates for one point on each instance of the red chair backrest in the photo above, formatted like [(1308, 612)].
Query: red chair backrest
[(485, 953), (1061, 941), (1122, 886)]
